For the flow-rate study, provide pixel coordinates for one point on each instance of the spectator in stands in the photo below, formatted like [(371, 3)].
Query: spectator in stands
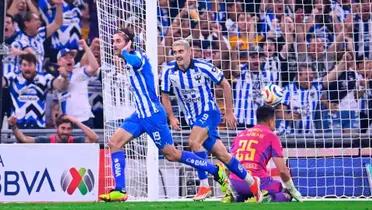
[(8, 63), (271, 66), (247, 96), (301, 100), (164, 16), (69, 32), (288, 55), (93, 19), (33, 36), (74, 101), (363, 30), (28, 90), (95, 89), (246, 34), (18, 8), (319, 23), (196, 48), (316, 52), (234, 8), (64, 126), (10, 34), (270, 21), (364, 69), (342, 85), (180, 28)]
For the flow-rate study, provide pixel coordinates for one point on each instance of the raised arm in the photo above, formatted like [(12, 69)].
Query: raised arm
[(90, 61), (20, 136), (337, 70), (61, 82), (90, 135), (58, 21), (229, 112)]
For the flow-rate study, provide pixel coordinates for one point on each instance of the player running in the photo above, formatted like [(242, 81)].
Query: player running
[(254, 147), (149, 118), (191, 80)]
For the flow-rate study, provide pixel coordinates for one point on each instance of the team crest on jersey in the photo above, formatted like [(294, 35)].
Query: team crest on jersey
[(198, 78)]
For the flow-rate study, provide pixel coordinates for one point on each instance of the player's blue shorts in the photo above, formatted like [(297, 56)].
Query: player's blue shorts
[(155, 126), (210, 120)]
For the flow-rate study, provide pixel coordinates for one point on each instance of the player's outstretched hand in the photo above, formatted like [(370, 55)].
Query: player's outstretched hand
[(230, 120), (174, 123), (296, 195)]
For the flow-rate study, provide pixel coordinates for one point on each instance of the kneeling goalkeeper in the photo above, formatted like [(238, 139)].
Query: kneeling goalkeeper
[(254, 147)]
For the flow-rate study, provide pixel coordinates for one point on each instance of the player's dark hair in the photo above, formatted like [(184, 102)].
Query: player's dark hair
[(128, 34), (61, 119), (265, 113), (29, 57)]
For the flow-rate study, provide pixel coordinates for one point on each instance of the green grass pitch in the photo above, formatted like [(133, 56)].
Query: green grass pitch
[(212, 205)]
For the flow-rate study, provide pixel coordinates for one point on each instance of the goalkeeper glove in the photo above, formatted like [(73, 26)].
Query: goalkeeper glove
[(293, 191)]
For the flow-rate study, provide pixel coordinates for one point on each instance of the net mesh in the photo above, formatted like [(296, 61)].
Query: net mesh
[(320, 53)]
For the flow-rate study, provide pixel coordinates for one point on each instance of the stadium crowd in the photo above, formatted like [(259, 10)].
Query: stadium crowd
[(319, 51)]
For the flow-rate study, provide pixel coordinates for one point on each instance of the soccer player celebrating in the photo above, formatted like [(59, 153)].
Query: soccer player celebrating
[(150, 118), (254, 147), (191, 80)]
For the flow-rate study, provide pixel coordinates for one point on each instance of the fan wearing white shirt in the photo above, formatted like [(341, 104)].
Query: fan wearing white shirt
[(75, 101)]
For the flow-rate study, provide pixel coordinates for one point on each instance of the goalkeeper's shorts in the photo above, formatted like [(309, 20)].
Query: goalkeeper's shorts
[(242, 192), (155, 126)]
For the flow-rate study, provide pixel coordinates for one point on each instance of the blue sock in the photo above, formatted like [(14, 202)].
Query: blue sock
[(235, 167), (201, 173), (191, 159), (118, 166)]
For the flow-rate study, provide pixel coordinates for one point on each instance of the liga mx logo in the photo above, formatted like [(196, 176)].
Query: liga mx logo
[(82, 179)]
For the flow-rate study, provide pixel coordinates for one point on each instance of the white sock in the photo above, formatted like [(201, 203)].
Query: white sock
[(204, 182), (249, 179)]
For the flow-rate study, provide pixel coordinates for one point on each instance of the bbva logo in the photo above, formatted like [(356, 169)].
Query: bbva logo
[(82, 179)]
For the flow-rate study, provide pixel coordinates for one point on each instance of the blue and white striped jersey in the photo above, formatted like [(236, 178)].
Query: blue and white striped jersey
[(29, 98), (142, 85), (363, 37), (270, 71), (193, 87), (68, 35), (24, 41), (305, 102), (247, 96)]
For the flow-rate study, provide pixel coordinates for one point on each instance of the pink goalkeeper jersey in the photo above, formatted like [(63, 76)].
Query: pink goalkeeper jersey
[(254, 147)]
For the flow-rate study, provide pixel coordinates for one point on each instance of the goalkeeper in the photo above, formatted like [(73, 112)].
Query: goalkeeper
[(254, 147)]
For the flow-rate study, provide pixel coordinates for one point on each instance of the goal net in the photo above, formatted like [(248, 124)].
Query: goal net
[(318, 51)]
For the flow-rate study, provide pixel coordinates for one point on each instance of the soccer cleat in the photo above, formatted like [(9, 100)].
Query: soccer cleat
[(255, 189), (223, 180), (203, 193), (114, 196), (228, 197)]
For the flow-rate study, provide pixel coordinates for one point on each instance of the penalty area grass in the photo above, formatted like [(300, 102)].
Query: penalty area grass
[(188, 205)]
